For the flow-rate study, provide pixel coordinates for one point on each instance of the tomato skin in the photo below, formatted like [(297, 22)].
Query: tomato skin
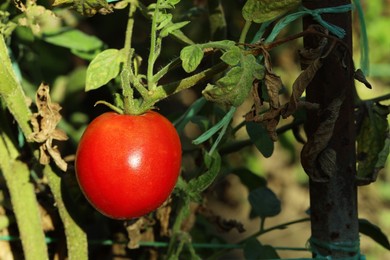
[(128, 165)]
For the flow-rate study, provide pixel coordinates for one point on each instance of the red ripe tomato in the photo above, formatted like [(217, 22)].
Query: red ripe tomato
[(128, 165)]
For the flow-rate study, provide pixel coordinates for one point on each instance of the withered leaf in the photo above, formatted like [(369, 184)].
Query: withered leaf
[(44, 123), (308, 56), (87, 7), (318, 143), (273, 82), (162, 215), (138, 231), (299, 86)]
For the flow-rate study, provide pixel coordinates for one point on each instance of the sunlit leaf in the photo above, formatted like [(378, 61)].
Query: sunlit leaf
[(172, 27), (103, 68), (74, 39), (191, 57), (86, 7), (260, 11), (232, 57), (235, 86), (40, 20)]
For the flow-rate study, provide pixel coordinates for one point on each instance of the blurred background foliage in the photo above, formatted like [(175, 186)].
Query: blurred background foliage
[(65, 72)]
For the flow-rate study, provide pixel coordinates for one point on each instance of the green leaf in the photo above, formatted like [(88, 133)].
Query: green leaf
[(373, 143), (260, 138), (374, 232), (253, 249), (40, 20), (75, 40), (169, 29), (201, 183), (260, 11), (103, 68), (232, 57), (191, 57), (163, 20), (264, 202), (234, 87), (86, 7)]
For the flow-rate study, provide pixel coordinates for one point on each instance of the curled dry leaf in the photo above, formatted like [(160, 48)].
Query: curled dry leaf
[(300, 85), (314, 152), (273, 82), (311, 60), (162, 216), (44, 123), (137, 231)]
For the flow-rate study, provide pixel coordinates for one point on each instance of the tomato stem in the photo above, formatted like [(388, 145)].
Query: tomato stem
[(111, 106), (155, 44), (128, 78)]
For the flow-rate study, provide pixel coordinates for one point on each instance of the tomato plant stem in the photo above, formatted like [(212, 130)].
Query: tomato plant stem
[(244, 31), (129, 34), (76, 239), (154, 49), (11, 91), (23, 199), (172, 88)]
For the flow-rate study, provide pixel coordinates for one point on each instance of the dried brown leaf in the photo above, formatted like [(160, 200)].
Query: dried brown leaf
[(299, 86), (271, 125), (162, 215), (273, 82), (318, 143), (134, 233), (56, 155), (308, 56), (139, 230), (44, 124)]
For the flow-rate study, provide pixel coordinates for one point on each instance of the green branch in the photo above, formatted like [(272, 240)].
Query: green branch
[(23, 199), (11, 91), (76, 238), (172, 88), (154, 52), (17, 175)]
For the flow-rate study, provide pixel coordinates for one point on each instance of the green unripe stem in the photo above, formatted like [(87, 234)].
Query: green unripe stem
[(244, 31), (23, 199), (154, 52), (76, 238), (172, 88)]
